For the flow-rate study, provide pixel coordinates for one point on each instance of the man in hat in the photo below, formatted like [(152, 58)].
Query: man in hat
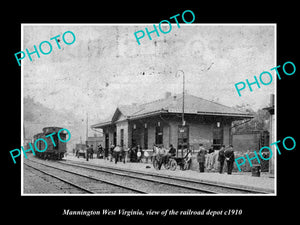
[(87, 152), (201, 157), (221, 158), (229, 156), (91, 153)]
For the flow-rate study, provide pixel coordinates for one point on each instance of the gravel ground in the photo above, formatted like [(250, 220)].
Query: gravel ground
[(36, 182)]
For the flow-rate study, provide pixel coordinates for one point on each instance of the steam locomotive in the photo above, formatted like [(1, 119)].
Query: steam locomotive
[(54, 150)]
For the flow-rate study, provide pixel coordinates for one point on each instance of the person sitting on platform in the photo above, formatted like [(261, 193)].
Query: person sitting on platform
[(172, 151)]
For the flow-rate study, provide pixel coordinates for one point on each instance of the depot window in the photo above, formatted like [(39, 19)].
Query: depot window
[(218, 137)]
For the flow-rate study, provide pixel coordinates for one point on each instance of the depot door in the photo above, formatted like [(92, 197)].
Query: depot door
[(183, 140), (106, 141), (218, 136)]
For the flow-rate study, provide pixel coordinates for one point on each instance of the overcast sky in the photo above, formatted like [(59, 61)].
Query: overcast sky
[(105, 66)]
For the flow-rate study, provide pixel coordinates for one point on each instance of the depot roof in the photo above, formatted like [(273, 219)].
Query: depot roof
[(173, 104)]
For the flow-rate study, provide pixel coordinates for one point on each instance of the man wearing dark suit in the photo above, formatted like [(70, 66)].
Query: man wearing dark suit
[(201, 157), (111, 152), (106, 153), (91, 152), (87, 153), (229, 155), (172, 151), (221, 158)]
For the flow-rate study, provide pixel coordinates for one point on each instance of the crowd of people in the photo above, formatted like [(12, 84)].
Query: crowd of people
[(223, 155), (116, 153), (137, 154)]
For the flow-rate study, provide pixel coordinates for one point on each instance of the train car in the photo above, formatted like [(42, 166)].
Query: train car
[(53, 151)]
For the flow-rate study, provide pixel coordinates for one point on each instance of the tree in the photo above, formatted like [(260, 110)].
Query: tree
[(258, 123)]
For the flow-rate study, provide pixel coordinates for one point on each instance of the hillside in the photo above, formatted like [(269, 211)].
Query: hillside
[(37, 116)]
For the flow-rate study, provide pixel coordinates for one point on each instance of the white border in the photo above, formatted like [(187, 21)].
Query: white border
[(146, 24)]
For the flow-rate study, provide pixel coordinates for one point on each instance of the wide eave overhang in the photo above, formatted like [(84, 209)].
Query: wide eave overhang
[(233, 116)]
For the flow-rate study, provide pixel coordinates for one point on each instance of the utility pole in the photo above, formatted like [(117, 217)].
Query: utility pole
[(183, 83), (87, 126), (182, 115), (183, 91)]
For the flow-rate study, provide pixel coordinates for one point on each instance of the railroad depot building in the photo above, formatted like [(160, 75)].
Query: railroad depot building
[(160, 122)]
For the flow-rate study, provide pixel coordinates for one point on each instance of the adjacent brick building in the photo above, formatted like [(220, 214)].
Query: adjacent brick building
[(160, 122), (95, 141)]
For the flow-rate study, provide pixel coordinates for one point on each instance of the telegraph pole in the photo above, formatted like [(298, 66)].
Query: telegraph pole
[(87, 126), (182, 115), (183, 83), (183, 90)]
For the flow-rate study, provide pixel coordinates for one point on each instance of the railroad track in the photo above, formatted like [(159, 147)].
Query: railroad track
[(189, 184), (138, 182), (132, 183), (64, 181), (84, 183), (165, 186)]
